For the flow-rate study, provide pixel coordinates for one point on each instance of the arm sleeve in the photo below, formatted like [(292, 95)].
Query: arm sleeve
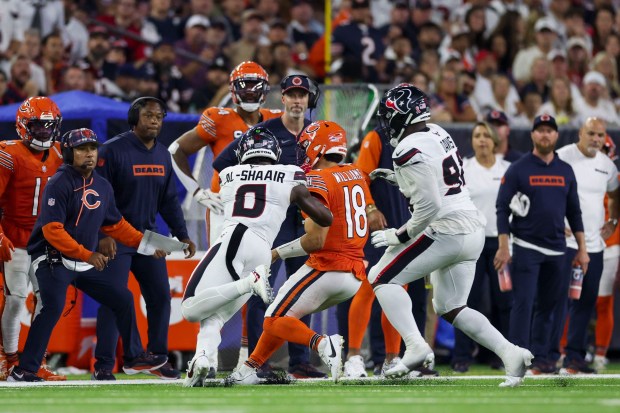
[(170, 208), (420, 183), (227, 157), (573, 209), (124, 232), (507, 189), (59, 238)]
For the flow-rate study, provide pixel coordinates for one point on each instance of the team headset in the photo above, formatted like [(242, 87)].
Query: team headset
[(133, 116), (314, 92)]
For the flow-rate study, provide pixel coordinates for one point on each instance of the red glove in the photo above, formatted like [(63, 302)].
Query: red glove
[(6, 248)]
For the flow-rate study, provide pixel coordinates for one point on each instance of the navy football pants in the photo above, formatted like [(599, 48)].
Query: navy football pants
[(579, 312), (53, 284), (537, 290), (152, 275)]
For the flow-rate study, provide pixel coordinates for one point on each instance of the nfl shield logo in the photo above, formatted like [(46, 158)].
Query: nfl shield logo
[(51, 202), (44, 168)]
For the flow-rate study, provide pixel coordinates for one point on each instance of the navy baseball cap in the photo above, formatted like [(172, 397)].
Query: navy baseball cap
[(545, 120), (296, 82), (497, 116)]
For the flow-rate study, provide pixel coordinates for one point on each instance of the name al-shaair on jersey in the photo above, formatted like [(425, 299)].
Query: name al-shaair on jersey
[(429, 168), (258, 196)]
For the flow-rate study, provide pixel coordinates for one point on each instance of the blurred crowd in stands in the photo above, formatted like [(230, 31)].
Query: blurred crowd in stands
[(522, 57)]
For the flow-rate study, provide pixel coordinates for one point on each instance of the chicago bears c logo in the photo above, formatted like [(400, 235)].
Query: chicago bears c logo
[(85, 201)]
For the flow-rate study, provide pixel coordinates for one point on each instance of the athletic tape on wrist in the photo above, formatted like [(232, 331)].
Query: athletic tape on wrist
[(291, 249)]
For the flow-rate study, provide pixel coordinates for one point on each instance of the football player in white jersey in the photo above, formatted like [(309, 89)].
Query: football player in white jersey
[(443, 237), (256, 194)]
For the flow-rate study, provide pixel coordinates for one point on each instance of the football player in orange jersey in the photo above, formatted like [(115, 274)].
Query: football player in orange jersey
[(26, 164), (334, 271), (249, 85)]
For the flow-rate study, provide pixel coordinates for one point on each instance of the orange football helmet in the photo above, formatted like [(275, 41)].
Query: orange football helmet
[(321, 138), (249, 85), (38, 122)]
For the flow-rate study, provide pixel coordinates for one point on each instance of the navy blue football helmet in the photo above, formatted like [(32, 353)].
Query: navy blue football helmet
[(401, 106), (258, 142)]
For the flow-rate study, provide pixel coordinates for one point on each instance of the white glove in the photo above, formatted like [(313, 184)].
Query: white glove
[(384, 238), (211, 200), (520, 204), (384, 173)]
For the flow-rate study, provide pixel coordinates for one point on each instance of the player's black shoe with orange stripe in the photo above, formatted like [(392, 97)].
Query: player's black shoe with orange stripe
[(17, 374), (144, 363)]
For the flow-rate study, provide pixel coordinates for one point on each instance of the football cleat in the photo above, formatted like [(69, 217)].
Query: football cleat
[(246, 375), (306, 371), (421, 355), (198, 370), (144, 363), (48, 375), (330, 350), (260, 284), (516, 362), (355, 368)]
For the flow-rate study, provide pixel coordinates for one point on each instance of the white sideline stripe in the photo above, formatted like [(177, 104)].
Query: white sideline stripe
[(85, 383)]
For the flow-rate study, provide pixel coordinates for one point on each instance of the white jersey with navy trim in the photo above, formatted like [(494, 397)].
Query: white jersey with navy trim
[(258, 196), (429, 171)]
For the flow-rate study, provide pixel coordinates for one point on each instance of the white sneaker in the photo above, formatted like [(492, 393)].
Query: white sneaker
[(516, 360), (600, 362), (421, 355), (388, 365), (260, 284), (245, 375), (330, 350), (197, 370), (355, 367)]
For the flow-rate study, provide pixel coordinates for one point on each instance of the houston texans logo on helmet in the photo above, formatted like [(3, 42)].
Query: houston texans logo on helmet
[(400, 102)]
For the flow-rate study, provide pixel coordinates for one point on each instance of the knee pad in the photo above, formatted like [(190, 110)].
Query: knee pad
[(14, 305), (188, 312)]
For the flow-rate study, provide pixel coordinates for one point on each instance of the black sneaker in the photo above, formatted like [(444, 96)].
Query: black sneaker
[(426, 372), (145, 362), (166, 372), (103, 375), (17, 374), (306, 371), (577, 367), (460, 367)]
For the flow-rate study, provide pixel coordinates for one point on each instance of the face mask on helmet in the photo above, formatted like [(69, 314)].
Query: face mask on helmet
[(249, 94), (249, 85)]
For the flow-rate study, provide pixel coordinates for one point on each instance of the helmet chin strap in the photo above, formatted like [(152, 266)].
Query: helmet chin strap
[(395, 139)]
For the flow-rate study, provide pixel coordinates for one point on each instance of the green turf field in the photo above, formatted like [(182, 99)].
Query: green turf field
[(446, 394)]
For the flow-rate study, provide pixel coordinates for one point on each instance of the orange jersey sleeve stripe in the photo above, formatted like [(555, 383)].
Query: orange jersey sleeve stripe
[(55, 234), (124, 232), (292, 295)]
